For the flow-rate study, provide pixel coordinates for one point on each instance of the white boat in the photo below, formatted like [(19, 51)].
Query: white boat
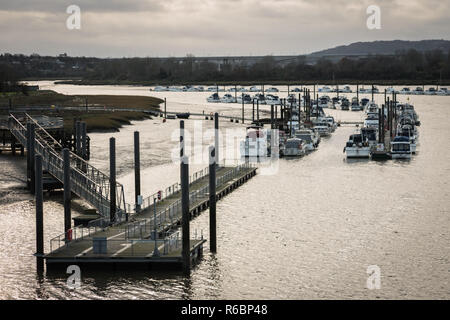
[(369, 135), (371, 120), (272, 89), (271, 99), (346, 89), (228, 98), (324, 101), (214, 98), (254, 89), (307, 138), (431, 91), (400, 148), (355, 105), (405, 91), (294, 147), (160, 89), (246, 97), (242, 89), (323, 128), (418, 91), (212, 89), (356, 147), (259, 97), (325, 89)]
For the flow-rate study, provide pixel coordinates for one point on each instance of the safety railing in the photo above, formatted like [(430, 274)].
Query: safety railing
[(87, 182)]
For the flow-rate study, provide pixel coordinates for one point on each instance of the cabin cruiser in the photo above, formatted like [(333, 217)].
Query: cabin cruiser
[(355, 105), (200, 89), (246, 97), (212, 89), (370, 135), (363, 90), (405, 91), (400, 148), (315, 136), (371, 120), (322, 127), (364, 102), (174, 89), (325, 89), (356, 147), (260, 98), (271, 99), (242, 89), (160, 88), (330, 121), (419, 90), (272, 89), (345, 104), (214, 98), (372, 107), (254, 89), (346, 89), (324, 101), (391, 90), (307, 138), (294, 147), (228, 98), (296, 90), (255, 143), (407, 131), (443, 92), (431, 91), (232, 89)]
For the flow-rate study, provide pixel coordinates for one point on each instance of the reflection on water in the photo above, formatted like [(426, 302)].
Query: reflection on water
[(310, 231)]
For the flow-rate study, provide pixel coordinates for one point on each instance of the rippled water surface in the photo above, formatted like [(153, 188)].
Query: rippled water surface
[(309, 231)]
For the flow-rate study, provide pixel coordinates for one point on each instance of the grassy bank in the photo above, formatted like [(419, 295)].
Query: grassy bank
[(96, 120)]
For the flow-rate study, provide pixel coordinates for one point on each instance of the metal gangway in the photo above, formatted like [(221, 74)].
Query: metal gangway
[(87, 182)]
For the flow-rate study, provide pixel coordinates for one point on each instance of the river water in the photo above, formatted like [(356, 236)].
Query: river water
[(311, 230)]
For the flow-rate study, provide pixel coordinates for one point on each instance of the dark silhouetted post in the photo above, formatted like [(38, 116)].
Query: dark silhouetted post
[(271, 116), (83, 140), (165, 108), (253, 110), (212, 200), (181, 138), (216, 137), (137, 171), (242, 108), (257, 110), (67, 193), (186, 247), (112, 180), (32, 158), (39, 207)]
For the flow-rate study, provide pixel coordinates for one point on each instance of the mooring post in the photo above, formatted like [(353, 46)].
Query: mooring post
[(32, 157), (112, 180), (235, 93), (257, 110), (212, 200), (314, 90), (67, 193), (39, 207), (242, 108), (253, 110), (216, 137), (380, 119), (357, 92), (78, 138), (137, 171), (181, 138), (271, 116), (186, 247), (83, 127), (165, 108), (373, 87)]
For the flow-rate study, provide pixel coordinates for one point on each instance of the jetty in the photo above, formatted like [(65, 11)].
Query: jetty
[(146, 233)]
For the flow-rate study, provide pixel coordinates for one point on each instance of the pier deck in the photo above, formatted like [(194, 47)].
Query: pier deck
[(132, 242)]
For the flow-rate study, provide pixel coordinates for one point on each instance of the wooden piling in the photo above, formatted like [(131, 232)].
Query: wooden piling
[(216, 137), (39, 207), (212, 200), (112, 180), (67, 193), (185, 252), (137, 171)]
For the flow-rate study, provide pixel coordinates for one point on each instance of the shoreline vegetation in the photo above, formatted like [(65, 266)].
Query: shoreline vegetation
[(97, 120)]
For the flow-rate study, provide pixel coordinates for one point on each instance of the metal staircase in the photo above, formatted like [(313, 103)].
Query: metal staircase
[(87, 182)]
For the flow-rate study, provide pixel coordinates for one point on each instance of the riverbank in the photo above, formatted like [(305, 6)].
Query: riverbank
[(97, 120), (267, 82)]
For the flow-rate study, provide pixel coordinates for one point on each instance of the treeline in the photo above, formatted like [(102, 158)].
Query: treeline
[(408, 65)]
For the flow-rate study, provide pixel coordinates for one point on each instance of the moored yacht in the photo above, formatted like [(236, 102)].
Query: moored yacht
[(356, 147), (400, 148), (214, 98), (294, 147), (228, 98)]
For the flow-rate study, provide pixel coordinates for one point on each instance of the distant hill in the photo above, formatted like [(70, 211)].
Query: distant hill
[(384, 47)]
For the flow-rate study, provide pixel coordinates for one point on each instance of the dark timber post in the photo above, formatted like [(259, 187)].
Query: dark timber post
[(186, 251), (78, 138), (235, 93), (372, 92), (380, 119), (357, 92), (314, 90), (181, 138), (112, 180), (67, 192), (216, 137), (137, 171), (271, 116), (165, 108), (242, 108), (253, 110), (39, 208), (83, 140), (257, 110), (212, 200), (32, 158), (288, 90)]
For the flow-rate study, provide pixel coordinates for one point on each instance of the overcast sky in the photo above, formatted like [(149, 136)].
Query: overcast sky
[(116, 28)]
